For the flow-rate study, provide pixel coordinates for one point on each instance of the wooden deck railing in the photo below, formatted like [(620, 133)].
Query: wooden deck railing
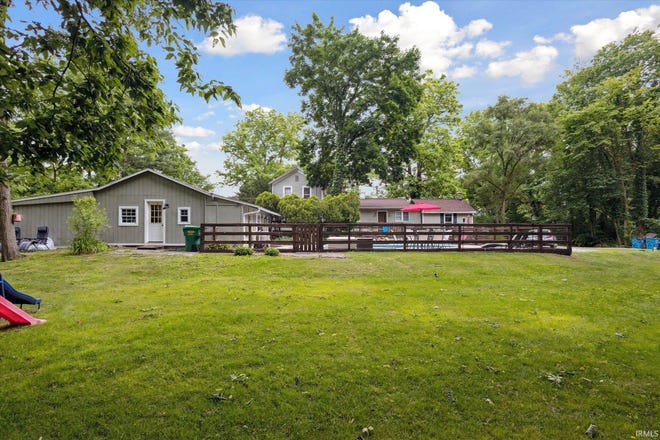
[(339, 237)]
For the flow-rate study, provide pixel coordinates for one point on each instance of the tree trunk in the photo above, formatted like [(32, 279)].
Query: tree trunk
[(7, 234)]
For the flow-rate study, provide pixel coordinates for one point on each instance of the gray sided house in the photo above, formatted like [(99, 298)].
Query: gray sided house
[(454, 211), (145, 207), (294, 181)]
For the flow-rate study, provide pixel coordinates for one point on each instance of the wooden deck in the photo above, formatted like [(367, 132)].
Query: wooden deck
[(388, 237)]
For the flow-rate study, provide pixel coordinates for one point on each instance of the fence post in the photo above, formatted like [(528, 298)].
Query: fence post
[(350, 229), (319, 234), (460, 237)]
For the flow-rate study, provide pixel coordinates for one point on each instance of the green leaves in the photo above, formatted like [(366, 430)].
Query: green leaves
[(507, 145), (359, 95), (81, 91), (262, 146), (609, 166)]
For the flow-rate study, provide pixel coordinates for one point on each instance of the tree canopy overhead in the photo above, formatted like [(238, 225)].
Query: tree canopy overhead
[(78, 91), (359, 96)]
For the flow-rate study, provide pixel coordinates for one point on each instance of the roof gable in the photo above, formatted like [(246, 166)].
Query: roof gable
[(291, 172), (68, 196)]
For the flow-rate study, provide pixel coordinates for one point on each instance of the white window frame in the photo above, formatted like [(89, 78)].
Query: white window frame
[(284, 190), (401, 217), (178, 215), (309, 192), (451, 218), (121, 222)]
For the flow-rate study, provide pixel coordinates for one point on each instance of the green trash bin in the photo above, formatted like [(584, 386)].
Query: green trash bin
[(193, 235)]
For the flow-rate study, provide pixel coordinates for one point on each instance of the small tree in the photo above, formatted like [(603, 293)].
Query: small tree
[(295, 209), (86, 222), (342, 208), (268, 200)]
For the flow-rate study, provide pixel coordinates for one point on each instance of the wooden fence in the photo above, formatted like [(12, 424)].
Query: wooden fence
[(384, 237)]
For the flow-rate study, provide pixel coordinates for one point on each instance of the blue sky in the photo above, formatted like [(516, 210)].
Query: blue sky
[(517, 48)]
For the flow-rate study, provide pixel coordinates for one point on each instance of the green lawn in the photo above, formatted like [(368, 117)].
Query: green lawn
[(216, 346)]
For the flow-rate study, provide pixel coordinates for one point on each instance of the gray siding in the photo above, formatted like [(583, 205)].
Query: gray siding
[(220, 211), (134, 191), (371, 216), (149, 187), (53, 215), (297, 181)]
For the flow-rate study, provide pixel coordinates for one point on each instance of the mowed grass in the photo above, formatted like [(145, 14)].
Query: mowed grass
[(216, 346)]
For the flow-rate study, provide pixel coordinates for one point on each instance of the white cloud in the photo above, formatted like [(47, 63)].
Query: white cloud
[(597, 33), (252, 107), (531, 66), (491, 49), (206, 115), (192, 146), (195, 147), (254, 34), (184, 131), (427, 27), (463, 72), (478, 27), (542, 40)]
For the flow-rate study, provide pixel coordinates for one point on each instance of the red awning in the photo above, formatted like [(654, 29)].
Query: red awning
[(420, 206)]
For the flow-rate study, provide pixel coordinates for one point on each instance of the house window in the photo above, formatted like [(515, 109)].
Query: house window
[(307, 192), (449, 218), (401, 216), (287, 190), (128, 216), (183, 216)]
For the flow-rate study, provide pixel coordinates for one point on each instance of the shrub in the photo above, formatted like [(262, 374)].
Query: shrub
[(243, 251), (86, 222), (268, 200), (272, 252), (342, 208), (295, 209)]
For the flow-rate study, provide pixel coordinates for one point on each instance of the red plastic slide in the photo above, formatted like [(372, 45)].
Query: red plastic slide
[(15, 315)]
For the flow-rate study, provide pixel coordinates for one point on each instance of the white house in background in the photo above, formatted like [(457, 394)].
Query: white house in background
[(380, 210), (294, 181), (454, 211)]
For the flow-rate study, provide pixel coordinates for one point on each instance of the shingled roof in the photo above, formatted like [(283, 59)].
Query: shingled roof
[(446, 205)]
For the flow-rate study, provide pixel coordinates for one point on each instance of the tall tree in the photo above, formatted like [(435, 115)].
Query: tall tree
[(606, 176), (262, 146), (76, 93), (433, 171), (359, 96), (505, 146)]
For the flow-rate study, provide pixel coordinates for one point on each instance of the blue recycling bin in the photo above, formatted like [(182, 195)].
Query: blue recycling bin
[(652, 243), (637, 243)]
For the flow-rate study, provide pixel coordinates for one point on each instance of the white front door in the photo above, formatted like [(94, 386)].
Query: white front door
[(155, 222)]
